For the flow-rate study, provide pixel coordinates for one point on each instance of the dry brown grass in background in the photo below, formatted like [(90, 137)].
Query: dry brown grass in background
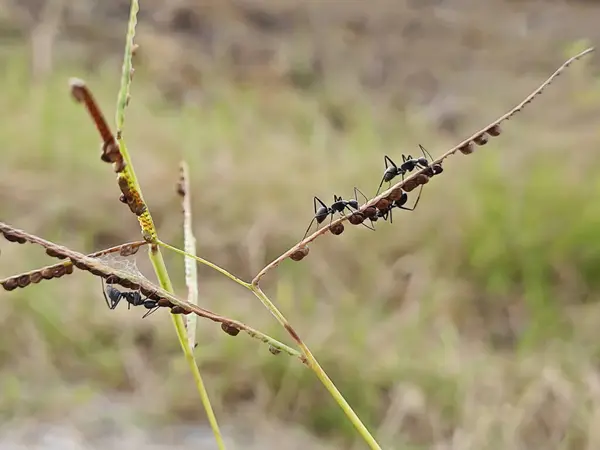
[(464, 331)]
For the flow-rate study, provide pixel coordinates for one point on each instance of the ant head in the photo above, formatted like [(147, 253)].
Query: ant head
[(437, 169), (353, 203), (423, 161)]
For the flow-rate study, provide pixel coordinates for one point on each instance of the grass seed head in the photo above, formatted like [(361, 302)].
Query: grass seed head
[(299, 254), (337, 228), (231, 330)]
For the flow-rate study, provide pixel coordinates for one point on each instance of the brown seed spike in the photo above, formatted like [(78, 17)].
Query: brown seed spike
[(468, 148), (370, 212), (10, 284), (23, 281), (396, 194), (482, 139), (383, 204), (59, 271), (411, 184), (421, 179), (274, 350), (14, 238), (299, 254), (337, 228), (77, 89), (128, 250), (494, 130), (230, 329), (36, 277), (356, 218), (164, 303), (47, 274)]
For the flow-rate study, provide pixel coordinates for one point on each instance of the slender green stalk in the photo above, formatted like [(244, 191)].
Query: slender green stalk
[(318, 370), (310, 359), (206, 263), (147, 223), (165, 282)]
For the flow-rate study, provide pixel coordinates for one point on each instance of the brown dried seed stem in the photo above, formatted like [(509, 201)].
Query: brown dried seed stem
[(494, 126), (56, 270), (110, 150), (98, 268)]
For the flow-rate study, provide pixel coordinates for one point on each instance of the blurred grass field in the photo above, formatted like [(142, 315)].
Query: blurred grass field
[(469, 323)]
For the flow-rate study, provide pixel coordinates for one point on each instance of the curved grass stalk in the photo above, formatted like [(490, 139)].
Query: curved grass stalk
[(311, 361), (147, 224)]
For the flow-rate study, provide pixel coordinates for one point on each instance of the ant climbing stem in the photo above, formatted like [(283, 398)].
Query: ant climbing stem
[(113, 296), (339, 205), (408, 165)]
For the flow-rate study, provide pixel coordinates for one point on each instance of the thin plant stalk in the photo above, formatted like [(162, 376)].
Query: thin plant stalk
[(148, 224), (311, 361), (466, 147), (189, 244)]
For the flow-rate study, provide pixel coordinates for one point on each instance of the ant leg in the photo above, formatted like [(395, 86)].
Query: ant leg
[(425, 152), (331, 217), (111, 304), (317, 199), (104, 293), (387, 159), (416, 202), (356, 196), (309, 225), (367, 226), (150, 312), (380, 184), (362, 223)]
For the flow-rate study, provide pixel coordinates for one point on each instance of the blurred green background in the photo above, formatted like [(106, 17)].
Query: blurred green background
[(471, 323)]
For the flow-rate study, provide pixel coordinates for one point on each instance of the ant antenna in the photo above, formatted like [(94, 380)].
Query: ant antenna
[(425, 152)]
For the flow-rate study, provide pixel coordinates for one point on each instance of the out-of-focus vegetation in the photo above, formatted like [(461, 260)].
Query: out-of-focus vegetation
[(470, 323)]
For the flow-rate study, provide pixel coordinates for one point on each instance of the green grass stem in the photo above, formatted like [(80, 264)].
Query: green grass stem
[(148, 225)]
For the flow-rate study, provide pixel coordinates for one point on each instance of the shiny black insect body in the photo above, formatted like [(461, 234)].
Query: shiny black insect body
[(113, 296), (408, 165), (339, 205)]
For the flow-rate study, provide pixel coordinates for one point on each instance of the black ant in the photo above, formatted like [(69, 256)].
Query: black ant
[(113, 296), (338, 206), (408, 165)]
